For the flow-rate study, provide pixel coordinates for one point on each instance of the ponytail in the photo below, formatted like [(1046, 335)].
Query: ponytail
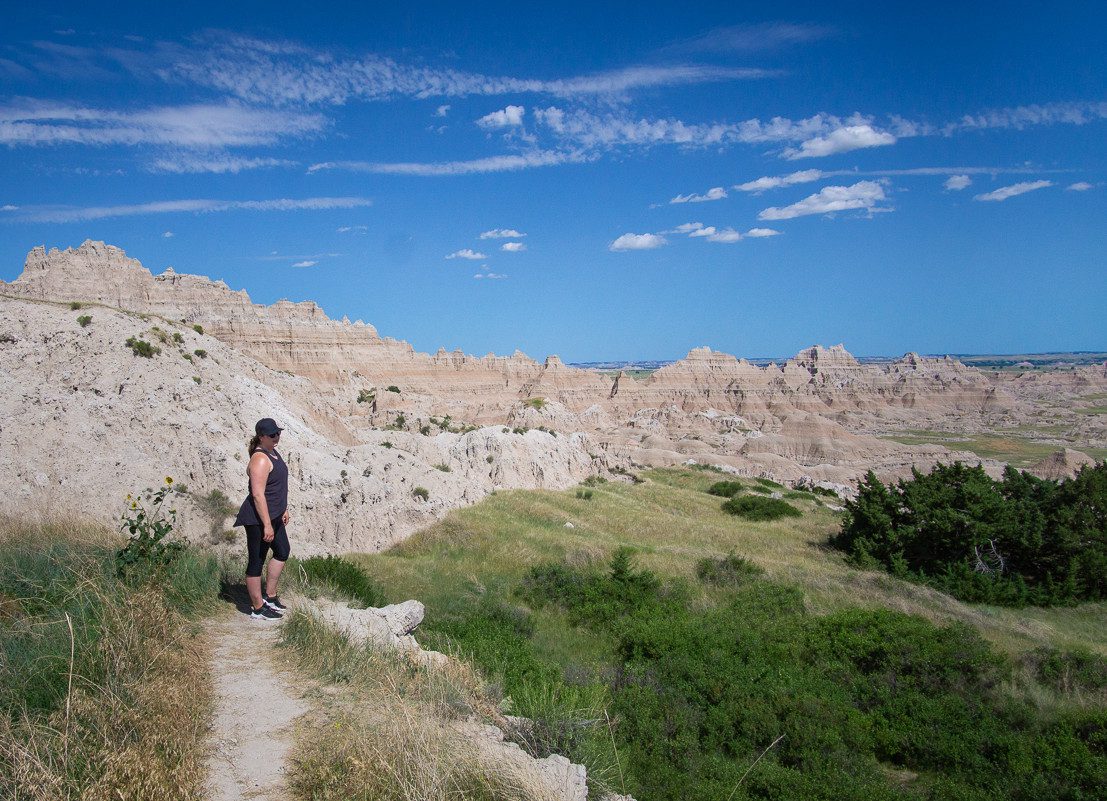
[(255, 443)]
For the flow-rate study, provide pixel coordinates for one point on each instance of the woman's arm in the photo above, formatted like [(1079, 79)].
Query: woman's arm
[(258, 470)]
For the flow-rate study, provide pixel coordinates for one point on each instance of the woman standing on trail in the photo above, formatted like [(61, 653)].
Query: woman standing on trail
[(264, 513)]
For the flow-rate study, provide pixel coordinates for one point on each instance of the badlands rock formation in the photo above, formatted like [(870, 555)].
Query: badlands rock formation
[(84, 421)]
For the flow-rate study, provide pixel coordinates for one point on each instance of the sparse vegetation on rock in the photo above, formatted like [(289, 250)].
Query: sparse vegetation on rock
[(140, 347)]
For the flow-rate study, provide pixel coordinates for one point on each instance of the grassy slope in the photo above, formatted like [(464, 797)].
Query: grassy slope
[(673, 523)]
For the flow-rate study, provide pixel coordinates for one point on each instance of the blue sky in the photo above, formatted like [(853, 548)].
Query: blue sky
[(602, 181)]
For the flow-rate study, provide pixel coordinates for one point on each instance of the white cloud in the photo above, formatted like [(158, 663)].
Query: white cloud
[(215, 164), (502, 233), (725, 236), (715, 193), (758, 233), (305, 263), (168, 235), (841, 140), (513, 247), (774, 181), (442, 111), (1079, 186), (191, 126), (637, 242), (955, 183), (492, 276), (536, 158), (1005, 192), (75, 214), (687, 228), (356, 229), (466, 253), (861, 195), (9, 207), (708, 231), (504, 118)]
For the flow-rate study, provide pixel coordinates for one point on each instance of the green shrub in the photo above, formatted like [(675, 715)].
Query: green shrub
[(366, 396), (203, 354), (84, 320), (445, 468), (425, 430), (1067, 671), (196, 378), (535, 403), (768, 482), (74, 306), (593, 481), (730, 570), (199, 329), (162, 336), (1021, 540), (725, 489), (148, 525), (345, 577), (393, 388), (386, 444), (399, 422), (421, 492), (187, 357), (177, 338), (756, 508), (488, 458), (584, 494), (141, 347)]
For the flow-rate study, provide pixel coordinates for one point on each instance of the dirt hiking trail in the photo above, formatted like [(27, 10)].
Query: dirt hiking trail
[(255, 707)]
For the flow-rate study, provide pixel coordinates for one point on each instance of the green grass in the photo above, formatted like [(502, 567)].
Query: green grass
[(1017, 450), (673, 523)]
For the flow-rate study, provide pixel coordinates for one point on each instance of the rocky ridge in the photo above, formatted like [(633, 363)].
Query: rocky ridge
[(86, 421)]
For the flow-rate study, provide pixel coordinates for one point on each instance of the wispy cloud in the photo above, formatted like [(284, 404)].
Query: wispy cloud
[(513, 247), (637, 242), (751, 38), (715, 193), (189, 126), (955, 183), (490, 275), (305, 263), (502, 233), (354, 229), (761, 233), (466, 253), (218, 164), (1005, 192), (442, 110), (861, 195), (9, 207), (168, 235), (1079, 186), (62, 214), (284, 73), (504, 118), (1079, 113), (774, 181), (504, 163)]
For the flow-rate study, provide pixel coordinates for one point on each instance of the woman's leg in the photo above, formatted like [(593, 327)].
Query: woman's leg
[(256, 548), (281, 550)]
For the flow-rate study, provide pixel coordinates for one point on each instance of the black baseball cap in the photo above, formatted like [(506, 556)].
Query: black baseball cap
[(266, 427)]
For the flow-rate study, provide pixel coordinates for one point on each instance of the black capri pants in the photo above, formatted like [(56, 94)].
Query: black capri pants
[(257, 548)]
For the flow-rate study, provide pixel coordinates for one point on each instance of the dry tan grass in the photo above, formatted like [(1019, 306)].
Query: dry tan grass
[(394, 731), (139, 733)]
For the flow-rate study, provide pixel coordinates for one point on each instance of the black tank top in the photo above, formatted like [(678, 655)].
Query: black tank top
[(276, 494)]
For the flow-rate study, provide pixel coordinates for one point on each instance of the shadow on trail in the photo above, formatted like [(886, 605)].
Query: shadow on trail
[(235, 593)]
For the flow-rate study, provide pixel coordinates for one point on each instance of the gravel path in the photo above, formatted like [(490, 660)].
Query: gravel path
[(255, 707)]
